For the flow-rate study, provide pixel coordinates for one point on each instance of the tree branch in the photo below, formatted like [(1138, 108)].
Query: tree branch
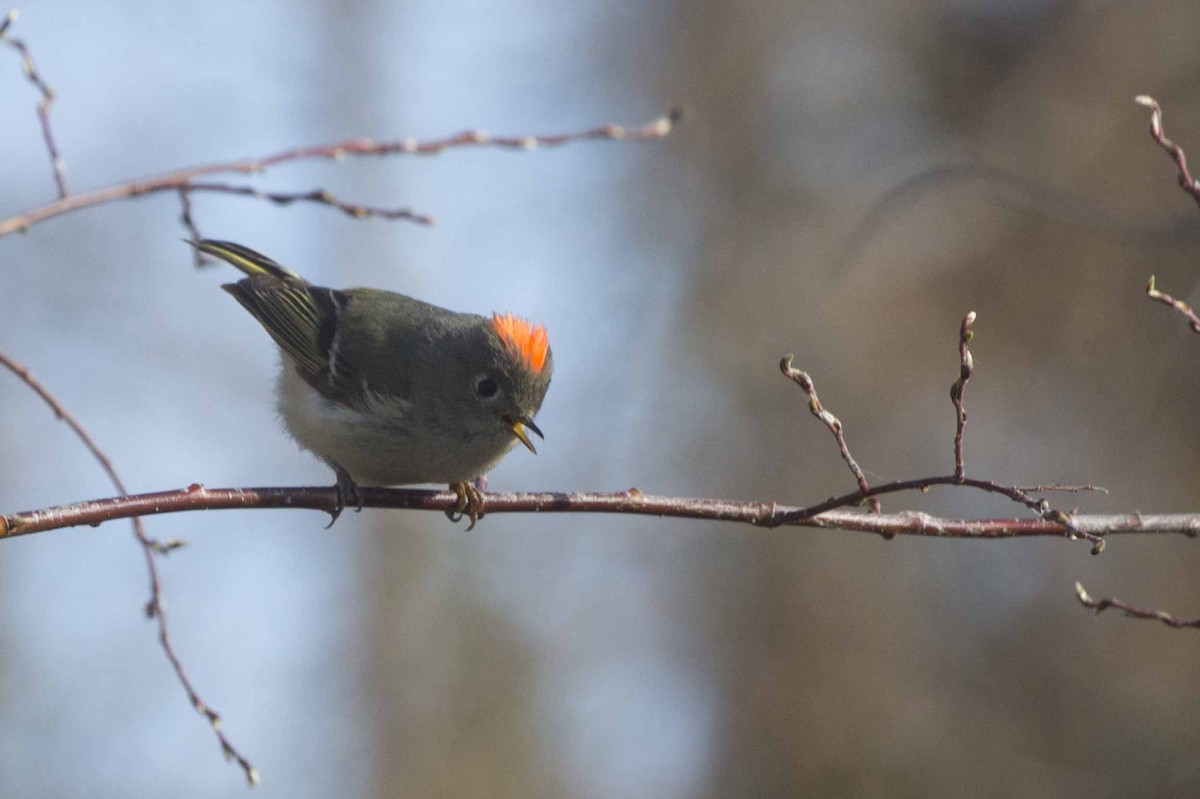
[(834, 424), (1188, 184), (825, 515), (1101, 605), (150, 548), (1179, 305), (183, 179), (56, 160), (1015, 493), (318, 196), (958, 388)]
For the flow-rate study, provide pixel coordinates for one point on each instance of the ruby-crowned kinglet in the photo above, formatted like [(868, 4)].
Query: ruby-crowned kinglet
[(389, 390)]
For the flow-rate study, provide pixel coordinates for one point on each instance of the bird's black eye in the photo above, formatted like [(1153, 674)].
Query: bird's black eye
[(486, 387)]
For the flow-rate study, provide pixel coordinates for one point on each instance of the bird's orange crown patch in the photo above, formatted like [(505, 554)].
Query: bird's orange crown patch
[(525, 341)]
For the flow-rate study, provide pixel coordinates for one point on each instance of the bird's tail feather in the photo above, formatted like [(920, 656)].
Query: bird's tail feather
[(244, 258)]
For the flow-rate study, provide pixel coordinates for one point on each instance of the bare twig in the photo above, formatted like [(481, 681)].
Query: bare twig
[(829, 514), (1066, 489), (1188, 184), (966, 367), (1041, 507), (818, 410), (1062, 523), (189, 224), (1015, 493), (319, 196), (1178, 305), (150, 548), (1174, 150), (1101, 605), (186, 178), (31, 72)]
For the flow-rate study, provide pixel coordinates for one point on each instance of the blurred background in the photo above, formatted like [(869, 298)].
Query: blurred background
[(397, 655)]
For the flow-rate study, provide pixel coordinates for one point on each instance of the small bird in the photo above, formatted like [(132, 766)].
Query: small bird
[(389, 390)]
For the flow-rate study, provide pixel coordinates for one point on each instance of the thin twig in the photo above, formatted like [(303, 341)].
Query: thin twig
[(1192, 188), (1063, 523), (1171, 302), (150, 547), (966, 367), (1066, 489), (1101, 605), (1015, 493), (1188, 184), (818, 410), (189, 224), (319, 196), (184, 178), (1174, 150), (830, 514), (31, 72)]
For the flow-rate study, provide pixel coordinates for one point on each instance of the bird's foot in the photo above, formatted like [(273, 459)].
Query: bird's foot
[(346, 495), (470, 502)]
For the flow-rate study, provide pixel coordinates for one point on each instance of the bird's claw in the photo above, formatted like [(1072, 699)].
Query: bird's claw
[(346, 495), (470, 503)]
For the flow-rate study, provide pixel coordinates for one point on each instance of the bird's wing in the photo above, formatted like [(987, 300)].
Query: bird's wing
[(302, 319)]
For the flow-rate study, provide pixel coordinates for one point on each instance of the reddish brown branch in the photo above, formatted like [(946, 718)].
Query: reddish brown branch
[(1041, 507), (966, 367), (1186, 182), (319, 196), (1101, 605), (1066, 489), (805, 382), (1061, 522), (1015, 493), (827, 515), (186, 178), (189, 224), (56, 161), (1171, 302), (150, 548)]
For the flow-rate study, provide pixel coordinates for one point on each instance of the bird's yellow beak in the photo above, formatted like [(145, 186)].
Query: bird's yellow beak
[(518, 427)]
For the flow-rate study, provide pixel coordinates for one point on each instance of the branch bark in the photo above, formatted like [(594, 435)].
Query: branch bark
[(631, 502), (182, 179)]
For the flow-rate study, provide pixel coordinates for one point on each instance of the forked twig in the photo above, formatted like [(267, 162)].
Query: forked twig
[(150, 548), (1016, 493), (186, 179)]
